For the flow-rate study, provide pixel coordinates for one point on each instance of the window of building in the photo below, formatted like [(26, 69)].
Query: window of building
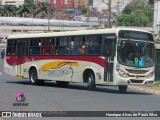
[(65, 1), (54, 1)]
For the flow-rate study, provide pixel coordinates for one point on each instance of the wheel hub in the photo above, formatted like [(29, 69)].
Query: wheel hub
[(89, 80)]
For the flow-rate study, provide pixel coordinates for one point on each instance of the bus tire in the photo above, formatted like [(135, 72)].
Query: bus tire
[(33, 77), (91, 81), (62, 83), (122, 88)]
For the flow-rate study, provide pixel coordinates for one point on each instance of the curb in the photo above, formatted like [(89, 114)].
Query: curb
[(145, 90)]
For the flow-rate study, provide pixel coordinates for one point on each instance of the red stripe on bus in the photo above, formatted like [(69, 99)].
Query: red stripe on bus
[(12, 60)]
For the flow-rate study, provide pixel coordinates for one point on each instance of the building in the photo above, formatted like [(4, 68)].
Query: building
[(58, 4), (80, 3), (1, 2), (156, 23), (12, 2), (114, 3), (61, 4)]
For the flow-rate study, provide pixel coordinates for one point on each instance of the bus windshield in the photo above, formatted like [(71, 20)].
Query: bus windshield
[(136, 53)]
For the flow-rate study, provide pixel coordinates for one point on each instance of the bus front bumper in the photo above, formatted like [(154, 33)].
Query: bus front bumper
[(133, 81)]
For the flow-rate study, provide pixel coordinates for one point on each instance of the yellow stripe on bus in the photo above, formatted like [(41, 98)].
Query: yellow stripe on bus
[(19, 77), (58, 64)]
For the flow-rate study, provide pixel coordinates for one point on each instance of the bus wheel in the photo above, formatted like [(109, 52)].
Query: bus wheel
[(62, 83), (91, 81), (33, 77), (122, 88)]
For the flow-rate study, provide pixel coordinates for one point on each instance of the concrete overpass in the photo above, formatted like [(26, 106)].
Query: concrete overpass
[(6, 30)]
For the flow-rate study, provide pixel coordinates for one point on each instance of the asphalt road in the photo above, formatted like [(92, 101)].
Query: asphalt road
[(75, 97)]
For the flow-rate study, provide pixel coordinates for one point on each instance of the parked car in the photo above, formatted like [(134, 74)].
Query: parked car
[(2, 53)]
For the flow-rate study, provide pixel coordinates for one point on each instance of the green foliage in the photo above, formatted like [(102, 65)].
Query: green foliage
[(84, 10), (151, 1), (28, 9), (136, 13), (8, 10), (157, 84)]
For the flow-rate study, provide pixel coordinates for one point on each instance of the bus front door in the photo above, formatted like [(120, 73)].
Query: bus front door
[(109, 53), (21, 49)]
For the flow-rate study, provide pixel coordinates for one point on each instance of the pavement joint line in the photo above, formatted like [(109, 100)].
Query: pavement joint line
[(145, 90)]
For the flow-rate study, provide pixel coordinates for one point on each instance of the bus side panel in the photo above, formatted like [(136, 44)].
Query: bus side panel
[(63, 69), (10, 65), (48, 70)]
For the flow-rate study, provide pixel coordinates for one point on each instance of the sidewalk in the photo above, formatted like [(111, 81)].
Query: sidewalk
[(149, 89)]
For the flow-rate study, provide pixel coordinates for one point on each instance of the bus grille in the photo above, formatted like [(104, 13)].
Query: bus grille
[(136, 81), (137, 71)]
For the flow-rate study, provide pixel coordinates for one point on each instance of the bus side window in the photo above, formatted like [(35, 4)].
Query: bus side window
[(109, 45), (52, 46), (11, 48), (44, 46), (76, 44), (62, 45), (34, 48), (93, 45)]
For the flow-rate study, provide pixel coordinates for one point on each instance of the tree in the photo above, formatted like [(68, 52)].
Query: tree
[(136, 13), (44, 9), (9, 10), (151, 2), (24, 11), (122, 19), (84, 10)]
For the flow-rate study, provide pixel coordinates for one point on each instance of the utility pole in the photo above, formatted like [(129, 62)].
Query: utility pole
[(48, 18), (49, 10), (109, 12), (117, 14), (32, 13), (87, 11)]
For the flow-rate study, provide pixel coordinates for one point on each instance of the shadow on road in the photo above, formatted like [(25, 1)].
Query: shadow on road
[(106, 89)]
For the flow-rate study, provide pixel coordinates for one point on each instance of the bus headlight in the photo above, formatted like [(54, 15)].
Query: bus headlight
[(150, 75), (122, 73)]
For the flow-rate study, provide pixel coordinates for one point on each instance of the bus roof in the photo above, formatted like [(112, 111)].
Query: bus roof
[(71, 33)]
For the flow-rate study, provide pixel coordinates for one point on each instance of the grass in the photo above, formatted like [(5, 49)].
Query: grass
[(157, 84)]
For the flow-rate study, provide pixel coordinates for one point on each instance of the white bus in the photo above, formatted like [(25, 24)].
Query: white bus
[(117, 57)]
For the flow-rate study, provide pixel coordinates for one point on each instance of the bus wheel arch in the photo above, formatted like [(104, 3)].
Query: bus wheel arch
[(89, 78), (33, 76)]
